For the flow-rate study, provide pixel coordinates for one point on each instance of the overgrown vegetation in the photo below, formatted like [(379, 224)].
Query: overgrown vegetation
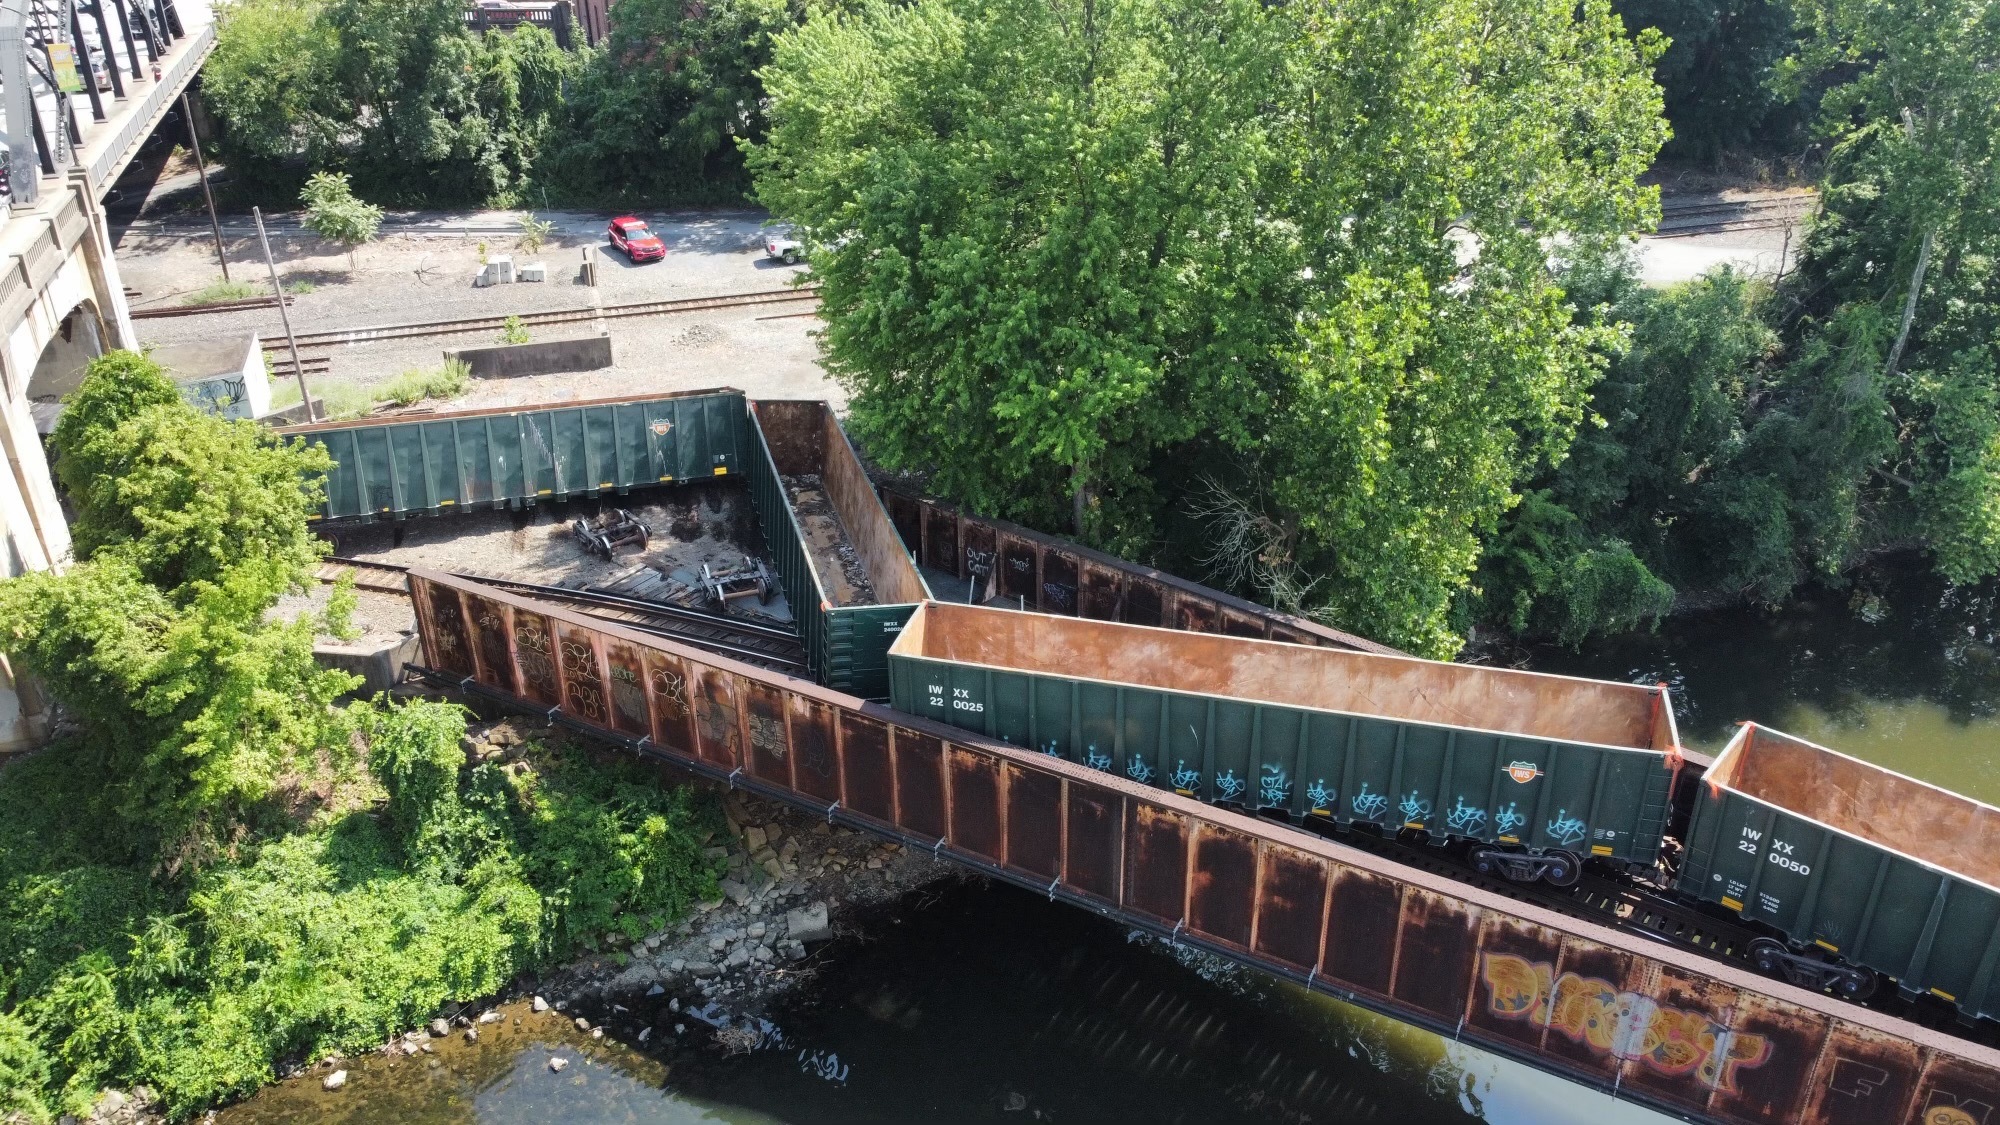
[(454, 378), (221, 866), (334, 213), (218, 291)]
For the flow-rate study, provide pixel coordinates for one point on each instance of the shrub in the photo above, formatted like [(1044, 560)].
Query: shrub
[(216, 292)]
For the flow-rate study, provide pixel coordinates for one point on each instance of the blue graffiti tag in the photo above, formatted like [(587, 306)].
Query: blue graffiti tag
[(1274, 787), (1413, 809), (1464, 818), (1369, 805), (1508, 820), (1097, 760), (1566, 829), (1053, 749), (824, 1065), (1228, 787), (1320, 796), (1185, 779), (1138, 770)]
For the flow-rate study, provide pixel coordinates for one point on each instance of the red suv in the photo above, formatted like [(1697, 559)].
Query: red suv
[(629, 233)]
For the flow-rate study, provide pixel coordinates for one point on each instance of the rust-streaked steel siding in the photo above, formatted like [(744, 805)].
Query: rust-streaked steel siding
[(1881, 870), (514, 457), (1073, 689), (1612, 1010), (1053, 575)]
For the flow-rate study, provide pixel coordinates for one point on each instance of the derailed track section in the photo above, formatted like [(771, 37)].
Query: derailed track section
[(1613, 1010)]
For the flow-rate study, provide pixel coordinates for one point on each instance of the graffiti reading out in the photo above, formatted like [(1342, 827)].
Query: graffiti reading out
[(1187, 782), (1368, 805), (1413, 808), (1053, 749), (1322, 798), (1097, 759), (1229, 786), (1274, 787), (1509, 820), (1625, 1025), (1138, 770), (1566, 829)]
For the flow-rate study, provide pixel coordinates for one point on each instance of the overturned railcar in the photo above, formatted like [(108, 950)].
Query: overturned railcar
[(1860, 869), (1541, 771), (850, 581), (515, 457)]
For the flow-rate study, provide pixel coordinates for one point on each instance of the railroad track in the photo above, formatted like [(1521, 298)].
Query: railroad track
[(763, 645), (548, 319), (1723, 217)]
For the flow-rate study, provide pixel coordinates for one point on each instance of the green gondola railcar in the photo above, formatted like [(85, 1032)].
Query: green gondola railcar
[(1540, 770), (514, 457), (1861, 869), (850, 581)]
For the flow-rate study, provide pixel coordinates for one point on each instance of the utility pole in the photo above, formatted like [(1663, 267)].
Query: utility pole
[(291, 341), (201, 168)]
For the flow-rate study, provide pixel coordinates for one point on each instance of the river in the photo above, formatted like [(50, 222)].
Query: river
[(985, 1003)]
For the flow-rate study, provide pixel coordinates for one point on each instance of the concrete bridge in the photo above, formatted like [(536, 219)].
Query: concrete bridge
[(125, 64)]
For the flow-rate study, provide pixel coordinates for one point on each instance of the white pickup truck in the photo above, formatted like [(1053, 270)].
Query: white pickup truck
[(783, 247)]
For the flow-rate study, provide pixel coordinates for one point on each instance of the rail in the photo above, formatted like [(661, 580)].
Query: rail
[(1648, 1021), (548, 319)]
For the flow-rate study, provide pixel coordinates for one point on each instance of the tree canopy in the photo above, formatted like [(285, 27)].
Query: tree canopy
[(1068, 250)]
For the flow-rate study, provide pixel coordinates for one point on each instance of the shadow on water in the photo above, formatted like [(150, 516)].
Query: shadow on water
[(1900, 669), (974, 1003)]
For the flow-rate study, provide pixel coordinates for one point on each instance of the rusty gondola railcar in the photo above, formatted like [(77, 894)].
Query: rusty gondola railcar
[(1861, 869), (849, 579), (1542, 771), (515, 457)]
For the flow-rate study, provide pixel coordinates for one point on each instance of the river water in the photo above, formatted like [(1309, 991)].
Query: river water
[(983, 1003)]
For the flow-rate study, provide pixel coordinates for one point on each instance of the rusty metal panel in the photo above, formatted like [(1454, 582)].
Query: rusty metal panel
[(907, 514), (1512, 981), (492, 628), (582, 676), (1955, 1092), (764, 725), (1094, 831), (1585, 970), (816, 768), (1156, 859), (1020, 570), (631, 713), (1058, 583), (1239, 624), (535, 654), (1864, 1078), (666, 685), (868, 774), (1437, 930), (977, 538), (1757, 1068), (715, 716), (1034, 821), (1677, 1000), (940, 539), (1097, 593), (1145, 602), (1192, 614), (920, 804), (1222, 885), (977, 822), (1291, 906), (1361, 929), (446, 643)]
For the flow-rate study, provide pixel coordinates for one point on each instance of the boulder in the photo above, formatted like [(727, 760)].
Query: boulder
[(558, 1063), (538, 1004), (808, 923), (440, 1028), (736, 891), (334, 1081), (754, 838)]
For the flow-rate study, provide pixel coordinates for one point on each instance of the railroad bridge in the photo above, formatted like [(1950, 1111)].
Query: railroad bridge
[(62, 302)]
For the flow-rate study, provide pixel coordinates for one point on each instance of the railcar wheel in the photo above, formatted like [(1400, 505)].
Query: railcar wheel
[(1563, 869), (1483, 861), (1854, 984), (1768, 956)]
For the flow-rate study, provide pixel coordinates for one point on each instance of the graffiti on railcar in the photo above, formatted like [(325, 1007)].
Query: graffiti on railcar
[(1623, 1024), (628, 689), (536, 654), (450, 647), (496, 664), (582, 683)]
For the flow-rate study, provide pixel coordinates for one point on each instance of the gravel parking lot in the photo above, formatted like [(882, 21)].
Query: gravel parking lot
[(422, 269)]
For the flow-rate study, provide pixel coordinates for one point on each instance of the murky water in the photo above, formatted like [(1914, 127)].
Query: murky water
[(1901, 670), (973, 1004)]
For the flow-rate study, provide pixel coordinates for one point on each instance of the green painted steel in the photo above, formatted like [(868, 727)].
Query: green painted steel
[(1540, 794), (512, 459), (1929, 929), (847, 647)]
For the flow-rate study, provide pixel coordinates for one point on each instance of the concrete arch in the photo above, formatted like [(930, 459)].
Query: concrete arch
[(80, 336)]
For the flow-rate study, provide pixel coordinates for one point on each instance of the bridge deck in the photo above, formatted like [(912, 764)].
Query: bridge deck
[(1601, 1006)]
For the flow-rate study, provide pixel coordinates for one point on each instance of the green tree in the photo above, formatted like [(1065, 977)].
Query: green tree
[(1717, 74), (335, 214), (1065, 248)]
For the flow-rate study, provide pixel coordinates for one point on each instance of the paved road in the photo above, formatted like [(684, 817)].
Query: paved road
[(1754, 231)]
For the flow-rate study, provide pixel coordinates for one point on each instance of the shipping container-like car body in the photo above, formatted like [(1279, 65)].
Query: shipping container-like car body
[(1853, 862), (1546, 765), (846, 634), (513, 457)]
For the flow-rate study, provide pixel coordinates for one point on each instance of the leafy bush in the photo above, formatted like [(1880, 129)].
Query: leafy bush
[(513, 331), (219, 291), (417, 384), (534, 232), (333, 212)]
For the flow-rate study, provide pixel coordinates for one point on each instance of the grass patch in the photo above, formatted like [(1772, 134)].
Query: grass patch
[(417, 384), (219, 291), (300, 287)]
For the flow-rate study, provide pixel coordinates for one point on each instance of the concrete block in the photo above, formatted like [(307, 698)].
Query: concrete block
[(591, 353), (502, 268), (378, 661), (532, 271)]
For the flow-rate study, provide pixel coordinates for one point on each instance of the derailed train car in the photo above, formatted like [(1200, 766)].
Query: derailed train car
[(1540, 771), (1861, 870), (847, 575)]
